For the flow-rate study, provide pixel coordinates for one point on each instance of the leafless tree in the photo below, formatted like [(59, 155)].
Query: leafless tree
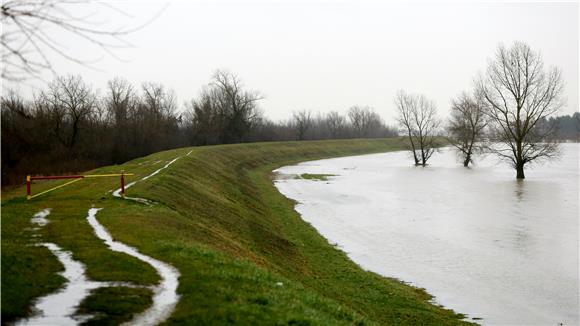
[(159, 101), (121, 102), (466, 126), (364, 120), (204, 122), (71, 103), (518, 93), (355, 115), (335, 123), (418, 120), (238, 107), (303, 122), (224, 112), (28, 28)]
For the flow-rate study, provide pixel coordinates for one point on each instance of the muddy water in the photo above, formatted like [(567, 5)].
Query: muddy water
[(481, 242)]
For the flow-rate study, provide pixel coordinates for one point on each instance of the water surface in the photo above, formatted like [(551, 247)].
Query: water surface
[(481, 242)]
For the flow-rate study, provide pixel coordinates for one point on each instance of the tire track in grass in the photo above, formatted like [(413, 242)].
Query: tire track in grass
[(58, 308), (165, 293), (117, 193)]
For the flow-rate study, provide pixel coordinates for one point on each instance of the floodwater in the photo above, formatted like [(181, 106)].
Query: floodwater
[(58, 308), (483, 243), (165, 295)]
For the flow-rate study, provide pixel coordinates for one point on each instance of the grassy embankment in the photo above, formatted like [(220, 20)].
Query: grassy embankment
[(223, 224)]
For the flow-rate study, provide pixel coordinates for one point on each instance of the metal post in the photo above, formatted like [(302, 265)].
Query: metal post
[(123, 185), (28, 187)]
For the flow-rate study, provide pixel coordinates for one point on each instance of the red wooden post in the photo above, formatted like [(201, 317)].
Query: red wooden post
[(28, 187), (122, 185)]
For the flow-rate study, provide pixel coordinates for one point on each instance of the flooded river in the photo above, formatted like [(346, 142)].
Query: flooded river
[(483, 243)]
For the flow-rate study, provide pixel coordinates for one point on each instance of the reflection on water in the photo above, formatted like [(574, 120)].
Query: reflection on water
[(481, 241), (519, 190)]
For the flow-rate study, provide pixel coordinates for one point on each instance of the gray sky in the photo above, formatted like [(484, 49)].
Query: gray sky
[(328, 55)]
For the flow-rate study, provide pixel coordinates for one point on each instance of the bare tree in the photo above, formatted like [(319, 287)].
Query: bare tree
[(71, 103), (28, 27), (364, 120), (120, 102), (160, 102), (238, 107), (466, 126), (518, 93), (335, 123), (303, 122), (225, 112), (203, 121), (355, 115), (418, 120)]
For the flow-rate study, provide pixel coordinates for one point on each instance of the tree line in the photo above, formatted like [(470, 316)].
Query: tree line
[(69, 127)]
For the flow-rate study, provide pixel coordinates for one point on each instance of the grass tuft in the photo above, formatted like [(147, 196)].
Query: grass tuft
[(315, 177)]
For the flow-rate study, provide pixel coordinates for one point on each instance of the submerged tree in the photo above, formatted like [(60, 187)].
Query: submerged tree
[(417, 117), (466, 126), (518, 94)]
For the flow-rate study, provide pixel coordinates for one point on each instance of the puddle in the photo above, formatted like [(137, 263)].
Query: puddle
[(59, 307), (40, 217), (165, 293)]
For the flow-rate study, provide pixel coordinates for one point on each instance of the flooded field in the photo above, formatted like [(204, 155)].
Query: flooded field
[(483, 243)]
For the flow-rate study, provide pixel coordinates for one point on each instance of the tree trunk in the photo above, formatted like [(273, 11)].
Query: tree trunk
[(416, 158), (467, 160), (75, 131), (520, 170), (519, 160)]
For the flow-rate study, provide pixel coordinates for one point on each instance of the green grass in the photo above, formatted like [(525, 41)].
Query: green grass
[(115, 305), (245, 256), (316, 177)]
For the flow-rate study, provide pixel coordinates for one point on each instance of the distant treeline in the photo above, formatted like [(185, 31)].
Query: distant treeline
[(567, 127), (68, 127)]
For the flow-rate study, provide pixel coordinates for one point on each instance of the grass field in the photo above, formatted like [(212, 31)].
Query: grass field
[(245, 256)]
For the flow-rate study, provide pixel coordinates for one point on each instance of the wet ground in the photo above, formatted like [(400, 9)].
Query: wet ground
[(480, 241), (59, 308)]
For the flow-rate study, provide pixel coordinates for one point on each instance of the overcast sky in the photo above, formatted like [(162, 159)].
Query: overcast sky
[(327, 55)]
